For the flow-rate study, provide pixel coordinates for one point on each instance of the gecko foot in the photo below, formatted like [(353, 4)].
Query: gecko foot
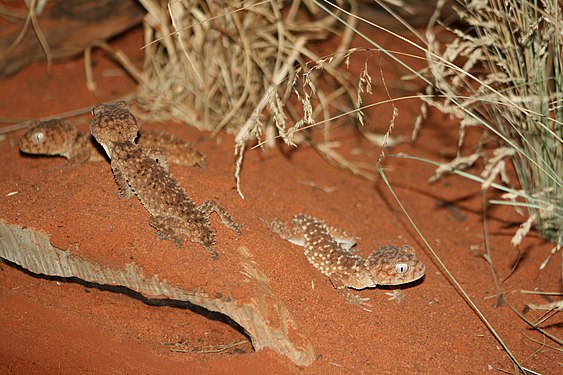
[(214, 254), (164, 231), (355, 299), (396, 295)]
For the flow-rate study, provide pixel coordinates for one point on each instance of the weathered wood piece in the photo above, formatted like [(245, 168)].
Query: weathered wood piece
[(266, 320), (68, 27)]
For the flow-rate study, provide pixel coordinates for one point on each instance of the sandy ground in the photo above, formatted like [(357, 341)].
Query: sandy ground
[(50, 325)]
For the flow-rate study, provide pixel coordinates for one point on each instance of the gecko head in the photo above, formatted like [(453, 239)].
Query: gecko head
[(392, 265), (113, 123), (51, 137)]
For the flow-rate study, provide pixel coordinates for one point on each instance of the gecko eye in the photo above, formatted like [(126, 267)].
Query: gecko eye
[(401, 267), (38, 137)]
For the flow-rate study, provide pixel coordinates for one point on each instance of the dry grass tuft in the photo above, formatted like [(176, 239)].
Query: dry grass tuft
[(505, 74), (242, 67)]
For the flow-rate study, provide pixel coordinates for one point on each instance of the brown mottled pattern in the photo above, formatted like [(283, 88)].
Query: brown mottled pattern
[(161, 195), (113, 123), (322, 250), (177, 151), (52, 137), (389, 265), (172, 211), (58, 137), (385, 262)]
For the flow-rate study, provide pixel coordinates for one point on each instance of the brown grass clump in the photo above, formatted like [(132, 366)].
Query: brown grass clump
[(240, 66)]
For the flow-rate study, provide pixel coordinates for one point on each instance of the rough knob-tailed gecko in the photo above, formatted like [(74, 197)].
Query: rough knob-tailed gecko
[(58, 137), (173, 213), (329, 249)]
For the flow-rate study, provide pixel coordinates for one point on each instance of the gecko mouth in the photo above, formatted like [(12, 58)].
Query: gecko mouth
[(407, 281), (106, 148)]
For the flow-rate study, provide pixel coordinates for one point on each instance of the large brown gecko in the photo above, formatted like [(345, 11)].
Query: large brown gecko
[(58, 137), (329, 249), (173, 213)]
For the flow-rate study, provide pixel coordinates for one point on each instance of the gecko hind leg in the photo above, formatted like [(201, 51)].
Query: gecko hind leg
[(164, 228), (167, 228), (293, 234), (211, 206), (344, 239)]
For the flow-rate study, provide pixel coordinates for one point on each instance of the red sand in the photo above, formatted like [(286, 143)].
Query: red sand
[(62, 326)]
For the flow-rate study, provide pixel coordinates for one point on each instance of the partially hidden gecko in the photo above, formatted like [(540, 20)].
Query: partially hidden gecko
[(58, 137), (173, 213), (329, 249)]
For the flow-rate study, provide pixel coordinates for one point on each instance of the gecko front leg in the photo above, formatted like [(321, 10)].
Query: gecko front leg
[(352, 298), (123, 188)]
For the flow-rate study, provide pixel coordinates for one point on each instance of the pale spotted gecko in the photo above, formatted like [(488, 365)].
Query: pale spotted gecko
[(58, 137), (329, 249), (173, 213)]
